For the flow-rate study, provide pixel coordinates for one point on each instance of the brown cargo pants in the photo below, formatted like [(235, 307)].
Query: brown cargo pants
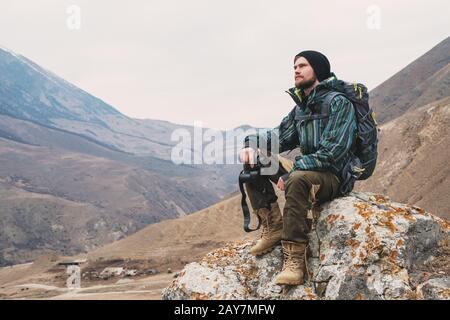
[(303, 189)]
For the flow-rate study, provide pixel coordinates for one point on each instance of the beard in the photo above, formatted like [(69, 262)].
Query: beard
[(306, 84)]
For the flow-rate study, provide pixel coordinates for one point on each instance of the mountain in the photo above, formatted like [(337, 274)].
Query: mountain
[(424, 80), (414, 153), (29, 92), (72, 202), (32, 93), (75, 173), (191, 236), (167, 244)]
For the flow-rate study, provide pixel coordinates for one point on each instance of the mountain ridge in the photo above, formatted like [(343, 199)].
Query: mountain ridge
[(407, 89)]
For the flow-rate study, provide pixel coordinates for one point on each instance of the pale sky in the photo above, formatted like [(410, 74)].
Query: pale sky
[(224, 63)]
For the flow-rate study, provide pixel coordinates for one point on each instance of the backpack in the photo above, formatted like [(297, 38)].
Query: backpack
[(364, 155)]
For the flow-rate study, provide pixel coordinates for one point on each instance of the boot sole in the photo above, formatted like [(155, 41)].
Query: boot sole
[(289, 283), (263, 252)]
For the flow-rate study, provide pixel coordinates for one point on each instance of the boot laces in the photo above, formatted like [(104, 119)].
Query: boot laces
[(292, 260), (265, 223)]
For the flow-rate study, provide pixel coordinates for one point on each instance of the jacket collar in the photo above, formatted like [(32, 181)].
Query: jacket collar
[(299, 97)]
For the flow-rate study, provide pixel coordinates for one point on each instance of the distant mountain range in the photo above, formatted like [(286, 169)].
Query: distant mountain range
[(76, 173), (424, 80), (31, 93)]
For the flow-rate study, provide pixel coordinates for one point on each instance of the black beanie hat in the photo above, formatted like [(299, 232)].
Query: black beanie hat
[(318, 62)]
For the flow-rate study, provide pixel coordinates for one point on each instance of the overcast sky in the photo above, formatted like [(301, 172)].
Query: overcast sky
[(224, 63)]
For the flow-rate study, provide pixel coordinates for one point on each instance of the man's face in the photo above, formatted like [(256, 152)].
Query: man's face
[(303, 73)]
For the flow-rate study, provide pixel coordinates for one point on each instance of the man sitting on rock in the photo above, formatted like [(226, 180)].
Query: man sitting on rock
[(313, 177)]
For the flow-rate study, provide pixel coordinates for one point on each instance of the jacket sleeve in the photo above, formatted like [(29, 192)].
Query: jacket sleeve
[(286, 133), (335, 141)]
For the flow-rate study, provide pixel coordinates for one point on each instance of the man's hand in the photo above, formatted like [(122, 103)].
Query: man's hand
[(248, 156), (280, 184)]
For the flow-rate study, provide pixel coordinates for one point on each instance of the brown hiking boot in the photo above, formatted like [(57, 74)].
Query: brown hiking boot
[(272, 227), (294, 264)]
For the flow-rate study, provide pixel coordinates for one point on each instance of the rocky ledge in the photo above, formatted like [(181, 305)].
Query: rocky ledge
[(362, 246)]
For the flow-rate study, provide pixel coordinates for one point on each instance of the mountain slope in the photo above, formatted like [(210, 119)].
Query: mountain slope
[(63, 151), (414, 153), (167, 244), (425, 80), (68, 202), (172, 242), (29, 92)]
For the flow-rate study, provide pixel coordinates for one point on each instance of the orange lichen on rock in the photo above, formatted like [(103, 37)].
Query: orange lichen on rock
[(386, 219), (398, 210), (444, 224), (356, 226), (199, 296), (353, 243), (390, 225), (372, 243), (419, 210), (380, 198), (249, 272), (393, 256), (362, 256), (331, 219), (310, 294), (360, 296), (364, 209), (408, 215), (221, 256)]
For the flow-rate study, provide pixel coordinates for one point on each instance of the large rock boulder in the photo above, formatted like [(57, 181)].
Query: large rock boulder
[(362, 246)]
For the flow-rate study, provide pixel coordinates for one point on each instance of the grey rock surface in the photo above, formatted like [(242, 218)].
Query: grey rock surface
[(362, 246)]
